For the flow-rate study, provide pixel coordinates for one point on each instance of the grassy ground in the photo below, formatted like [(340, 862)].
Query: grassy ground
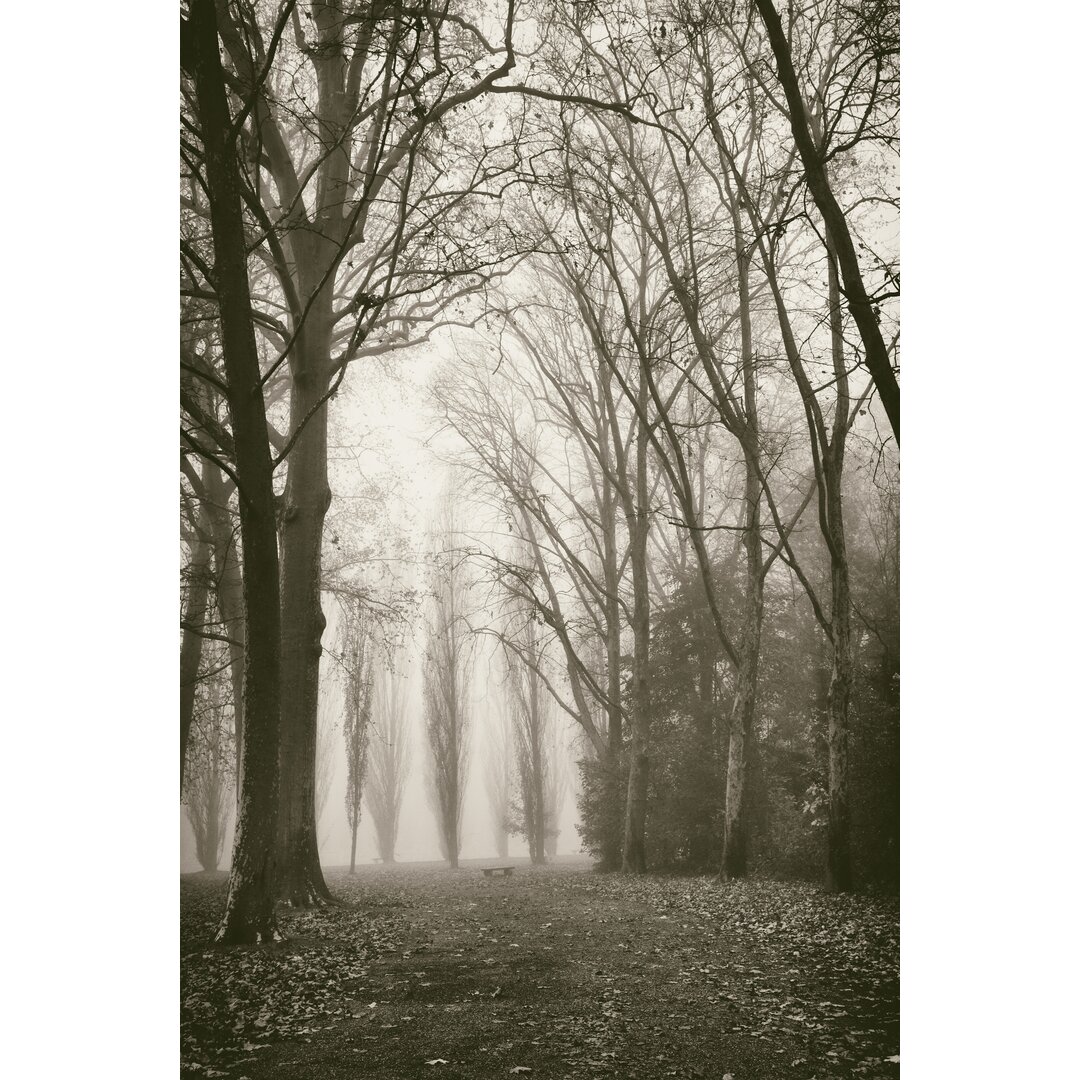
[(554, 972)]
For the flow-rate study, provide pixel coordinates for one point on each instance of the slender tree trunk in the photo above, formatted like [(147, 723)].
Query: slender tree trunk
[(249, 909), (307, 499), (352, 849), (743, 709), (701, 845), (838, 862), (230, 596), (610, 849), (191, 640), (452, 843), (634, 861), (537, 751), (838, 876), (741, 730)]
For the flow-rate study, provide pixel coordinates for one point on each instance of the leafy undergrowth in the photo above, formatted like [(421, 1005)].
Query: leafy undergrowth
[(553, 972)]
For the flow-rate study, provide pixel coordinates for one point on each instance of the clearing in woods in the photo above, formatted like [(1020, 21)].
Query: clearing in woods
[(552, 971)]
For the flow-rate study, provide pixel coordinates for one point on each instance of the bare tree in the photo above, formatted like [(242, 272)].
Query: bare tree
[(359, 682), (498, 777), (531, 716), (388, 758), (447, 676), (249, 909)]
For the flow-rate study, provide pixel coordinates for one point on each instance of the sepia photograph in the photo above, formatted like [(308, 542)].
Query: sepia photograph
[(539, 519), (542, 546)]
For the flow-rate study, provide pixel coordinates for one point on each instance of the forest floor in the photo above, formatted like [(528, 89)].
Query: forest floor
[(554, 972)]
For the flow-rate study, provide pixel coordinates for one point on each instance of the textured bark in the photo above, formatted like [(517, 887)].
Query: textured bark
[(249, 909), (838, 862), (192, 640), (838, 868), (859, 304), (743, 709), (306, 501), (701, 844), (609, 856), (741, 731), (634, 860)]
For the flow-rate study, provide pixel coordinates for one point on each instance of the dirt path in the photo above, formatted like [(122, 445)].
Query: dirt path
[(567, 973)]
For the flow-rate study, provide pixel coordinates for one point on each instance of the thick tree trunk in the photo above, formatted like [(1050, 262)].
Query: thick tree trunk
[(306, 501), (191, 641), (249, 909)]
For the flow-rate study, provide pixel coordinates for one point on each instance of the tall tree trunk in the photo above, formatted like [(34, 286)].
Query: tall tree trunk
[(191, 640), (452, 841), (838, 869), (230, 597), (249, 909), (352, 849), (701, 845), (610, 849), (838, 862), (307, 499), (637, 791), (537, 751), (743, 708)]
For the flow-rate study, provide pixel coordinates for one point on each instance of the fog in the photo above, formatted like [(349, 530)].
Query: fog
[(389, 466)]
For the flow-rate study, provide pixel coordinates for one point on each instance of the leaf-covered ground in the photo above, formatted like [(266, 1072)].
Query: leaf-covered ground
[(552, 972)]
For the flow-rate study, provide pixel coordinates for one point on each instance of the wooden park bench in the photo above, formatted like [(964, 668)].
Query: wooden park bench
[(506, 871)]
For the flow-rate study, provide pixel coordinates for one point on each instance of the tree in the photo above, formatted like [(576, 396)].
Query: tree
[(556, 785), (366, 240), (531, 720), (498, 778), (249, 910), (359, 679), (388, 758), (447, 673)]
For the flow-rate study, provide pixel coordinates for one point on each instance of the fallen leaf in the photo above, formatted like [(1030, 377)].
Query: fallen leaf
[(437, 1061), (895, 1059), (521, 1069)]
